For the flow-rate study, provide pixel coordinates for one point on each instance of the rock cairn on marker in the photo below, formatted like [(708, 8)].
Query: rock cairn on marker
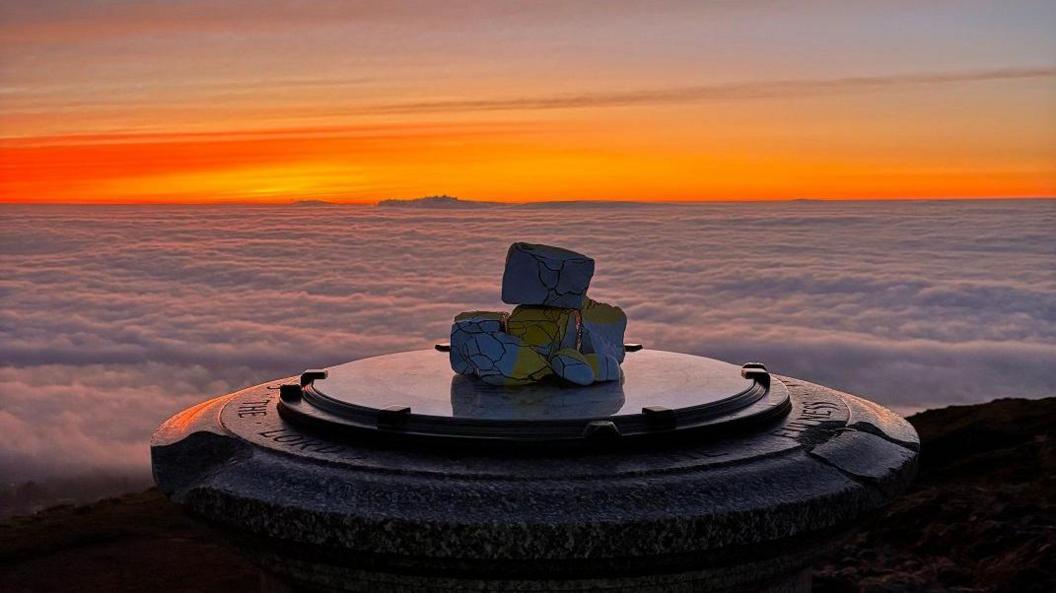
[(555, 330)]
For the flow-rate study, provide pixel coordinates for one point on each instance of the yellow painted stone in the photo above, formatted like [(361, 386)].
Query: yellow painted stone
[(520, 365), (546, 329)]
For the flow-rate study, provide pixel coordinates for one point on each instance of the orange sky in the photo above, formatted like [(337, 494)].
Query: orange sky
[(360, 101)]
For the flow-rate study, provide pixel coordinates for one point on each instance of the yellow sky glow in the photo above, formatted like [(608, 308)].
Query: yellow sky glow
[(123, 107)]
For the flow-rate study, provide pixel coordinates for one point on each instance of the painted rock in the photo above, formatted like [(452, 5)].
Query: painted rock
[(602, 332), (572, 365), (546, 329), (498, 358), (545, 275), (464, 331)]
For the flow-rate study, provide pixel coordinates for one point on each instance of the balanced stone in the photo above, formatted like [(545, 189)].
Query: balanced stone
[(602, 332), (465, 330), (545, 275), (479, 346), (573, 366), (546, 329)]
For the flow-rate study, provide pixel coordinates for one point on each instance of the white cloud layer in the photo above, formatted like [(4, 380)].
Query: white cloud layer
[(113, 318)]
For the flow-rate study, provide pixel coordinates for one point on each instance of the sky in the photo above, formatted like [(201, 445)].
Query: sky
[(113, 318), (203, 100)]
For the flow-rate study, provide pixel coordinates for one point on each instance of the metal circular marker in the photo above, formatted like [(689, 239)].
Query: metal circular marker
[(742, 478), (423, 381), (415, 395)]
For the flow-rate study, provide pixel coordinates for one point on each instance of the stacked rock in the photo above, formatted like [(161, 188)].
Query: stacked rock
[(555, 330)]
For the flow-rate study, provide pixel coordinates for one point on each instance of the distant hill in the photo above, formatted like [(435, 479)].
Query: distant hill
[(434, 202)]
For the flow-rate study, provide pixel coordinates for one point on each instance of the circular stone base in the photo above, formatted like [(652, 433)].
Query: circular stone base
[(733, 512)]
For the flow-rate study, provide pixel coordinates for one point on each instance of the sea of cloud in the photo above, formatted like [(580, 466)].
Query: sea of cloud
[(114, 317)]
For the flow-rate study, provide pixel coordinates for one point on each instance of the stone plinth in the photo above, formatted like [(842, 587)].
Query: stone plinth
[(725, 482)]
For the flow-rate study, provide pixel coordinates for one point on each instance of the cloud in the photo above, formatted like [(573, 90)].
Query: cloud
[(114, 317), (63, 20), (760, 89)]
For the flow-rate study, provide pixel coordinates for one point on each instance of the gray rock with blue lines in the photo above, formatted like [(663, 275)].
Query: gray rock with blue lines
[(466, 330), (545, 275)]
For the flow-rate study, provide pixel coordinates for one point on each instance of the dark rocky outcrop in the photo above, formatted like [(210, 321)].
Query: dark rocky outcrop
[(981, 516)]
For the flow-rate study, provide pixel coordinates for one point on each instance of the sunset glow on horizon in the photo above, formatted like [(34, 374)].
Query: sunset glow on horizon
[(361, 101)]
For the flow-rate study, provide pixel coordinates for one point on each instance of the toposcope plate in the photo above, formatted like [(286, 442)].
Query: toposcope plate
[(415, 395)]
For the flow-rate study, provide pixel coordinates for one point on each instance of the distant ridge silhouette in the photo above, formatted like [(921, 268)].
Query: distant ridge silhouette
[(440, 201)]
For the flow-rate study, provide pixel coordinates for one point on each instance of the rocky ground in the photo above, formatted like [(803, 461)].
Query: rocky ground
[(981, 517)]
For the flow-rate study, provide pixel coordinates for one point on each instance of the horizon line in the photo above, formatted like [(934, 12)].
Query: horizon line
[(377, 202)]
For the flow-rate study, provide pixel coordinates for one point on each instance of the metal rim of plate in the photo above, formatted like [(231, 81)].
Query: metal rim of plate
[(764, 402)]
